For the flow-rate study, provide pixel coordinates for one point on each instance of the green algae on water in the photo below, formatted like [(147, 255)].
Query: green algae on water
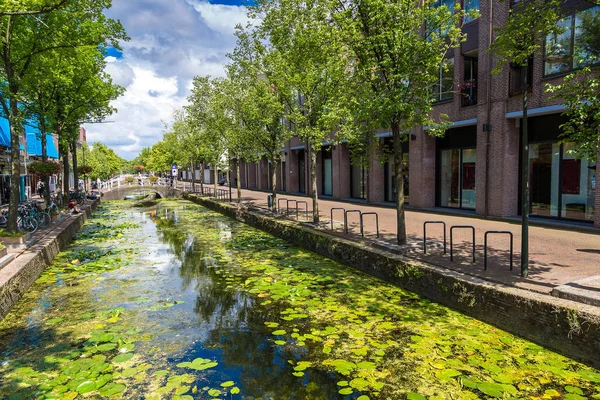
[(178, 302)]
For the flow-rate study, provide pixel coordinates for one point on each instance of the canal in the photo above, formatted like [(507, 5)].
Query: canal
[(171, 300)]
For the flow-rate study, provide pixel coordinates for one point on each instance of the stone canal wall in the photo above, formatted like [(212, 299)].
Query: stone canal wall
[(23, 271), (567, 327)]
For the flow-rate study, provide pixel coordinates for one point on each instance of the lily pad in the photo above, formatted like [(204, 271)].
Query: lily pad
[(123, 358)]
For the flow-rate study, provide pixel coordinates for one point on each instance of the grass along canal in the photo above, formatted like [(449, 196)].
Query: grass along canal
[(175, 301)]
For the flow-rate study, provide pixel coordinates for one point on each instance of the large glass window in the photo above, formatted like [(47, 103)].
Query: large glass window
[(575, 47), (561, 186), (443, 89), (457, 180), (577, 186), (471, 7), (327, 172), (357, 182), (450, 178), (544, 159)]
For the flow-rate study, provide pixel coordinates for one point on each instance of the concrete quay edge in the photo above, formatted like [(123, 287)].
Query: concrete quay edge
[(18, 275)]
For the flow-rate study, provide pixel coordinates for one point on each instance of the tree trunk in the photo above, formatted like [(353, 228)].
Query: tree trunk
[(274, 183), (398, 167), (202, 178), (525, 186), (66, 174), (15, 165), (313, 182), (239, 181), (75, 172), (193, 177), (216, 175)]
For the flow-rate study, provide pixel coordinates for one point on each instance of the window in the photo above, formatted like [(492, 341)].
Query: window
[(468, 88), (442, 27), (517, 77), (449, 4), (470, 7), (575, 47), (443, 89)]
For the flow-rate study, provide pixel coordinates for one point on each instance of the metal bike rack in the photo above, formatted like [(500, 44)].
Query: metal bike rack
[(287, 206), (278, 206), (346, 219), (362, 224), (425, 234), (331, 214), (485, 238), (451, 241), (305, 206)]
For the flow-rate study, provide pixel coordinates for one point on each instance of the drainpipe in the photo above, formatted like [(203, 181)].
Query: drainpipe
[(488, 125)]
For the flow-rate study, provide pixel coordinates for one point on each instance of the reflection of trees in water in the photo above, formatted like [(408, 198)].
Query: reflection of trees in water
[(237, 324)]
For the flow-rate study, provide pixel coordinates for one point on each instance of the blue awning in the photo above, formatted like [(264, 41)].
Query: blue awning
[(4, 132), (34, 144)]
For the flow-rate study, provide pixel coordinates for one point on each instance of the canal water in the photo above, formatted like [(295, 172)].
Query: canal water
[(173, 301)]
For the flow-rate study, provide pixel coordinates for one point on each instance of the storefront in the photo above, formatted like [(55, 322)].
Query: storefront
[(561, 186), (456, 166)]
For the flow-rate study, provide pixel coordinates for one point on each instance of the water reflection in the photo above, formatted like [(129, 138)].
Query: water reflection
[(237, 334)]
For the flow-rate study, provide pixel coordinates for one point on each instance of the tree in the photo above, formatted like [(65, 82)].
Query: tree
[(523, 35), (208, 120), (399, 48), (102, 160), (258, 104), (24, 38), (309, 60), (580, 91)]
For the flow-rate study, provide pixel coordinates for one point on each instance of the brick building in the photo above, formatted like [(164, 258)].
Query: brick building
[(461, 170)]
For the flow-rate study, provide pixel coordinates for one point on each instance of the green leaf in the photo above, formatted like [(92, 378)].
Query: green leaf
[(122, 358), (234, 390), (415, 396), (227, 384), (86, 387), (345, 391), (589, 375), (491, 389)]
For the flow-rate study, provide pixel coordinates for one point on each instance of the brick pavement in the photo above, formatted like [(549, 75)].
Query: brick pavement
[(557, 257)]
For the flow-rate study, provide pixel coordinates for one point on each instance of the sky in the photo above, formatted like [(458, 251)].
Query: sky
[(171, 42)]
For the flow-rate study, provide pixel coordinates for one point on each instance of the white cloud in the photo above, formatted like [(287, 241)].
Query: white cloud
[(171, 42)]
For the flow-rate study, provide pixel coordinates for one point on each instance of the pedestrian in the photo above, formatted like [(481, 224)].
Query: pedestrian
[(73, 209), (40, 189)]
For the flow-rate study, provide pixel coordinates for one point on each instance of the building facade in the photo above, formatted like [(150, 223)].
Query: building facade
[(476, 166)]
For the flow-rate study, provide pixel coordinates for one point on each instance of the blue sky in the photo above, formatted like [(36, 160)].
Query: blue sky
[(171, 42)]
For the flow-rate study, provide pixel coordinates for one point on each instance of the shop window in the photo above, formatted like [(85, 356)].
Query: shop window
[(575, 46), (468, 88), (443, 89), (471, 7), (357, 182), (571, 171), (517, 77)]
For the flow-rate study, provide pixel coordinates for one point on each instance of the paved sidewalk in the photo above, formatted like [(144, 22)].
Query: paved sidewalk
[(557, 257)]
